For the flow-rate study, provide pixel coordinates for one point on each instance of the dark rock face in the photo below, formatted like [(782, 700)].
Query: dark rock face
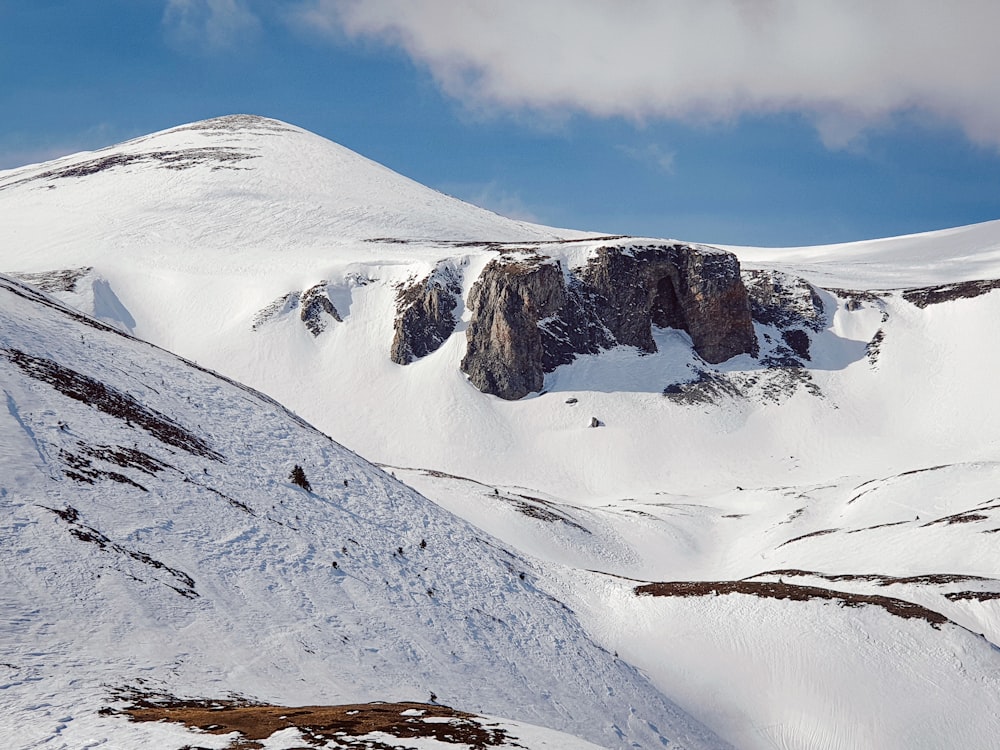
[(505, 353), (529, 317), (790, 304), (698, 290), (54, 281), (784, 301), (317, 309), (425, 315)]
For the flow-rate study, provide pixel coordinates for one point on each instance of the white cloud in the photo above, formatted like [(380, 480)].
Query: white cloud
[(847, 64), (210, 24)]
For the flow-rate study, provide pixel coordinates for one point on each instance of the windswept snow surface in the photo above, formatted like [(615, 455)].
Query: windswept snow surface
[(943, 256), (871, 471), (151, 538)]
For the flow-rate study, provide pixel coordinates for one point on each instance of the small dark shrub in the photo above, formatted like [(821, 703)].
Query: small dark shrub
[(298, 476)]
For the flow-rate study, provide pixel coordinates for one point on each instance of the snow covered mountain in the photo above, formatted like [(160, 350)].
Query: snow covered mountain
[(787, 522)]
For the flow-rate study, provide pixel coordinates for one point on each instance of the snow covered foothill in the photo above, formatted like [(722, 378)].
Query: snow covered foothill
[(153, 537), (838, 668)]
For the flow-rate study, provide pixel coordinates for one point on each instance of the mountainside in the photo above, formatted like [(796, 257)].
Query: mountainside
[(763, 478), (156, 538), (258, 269)]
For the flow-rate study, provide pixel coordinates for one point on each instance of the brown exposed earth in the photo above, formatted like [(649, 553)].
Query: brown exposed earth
[(780, 590), (343, 726)]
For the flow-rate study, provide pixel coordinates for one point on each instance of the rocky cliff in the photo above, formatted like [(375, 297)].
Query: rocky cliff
[(505, 352), (694, 289), (791, 305), (425, 315), (530, 315), (317, 309)]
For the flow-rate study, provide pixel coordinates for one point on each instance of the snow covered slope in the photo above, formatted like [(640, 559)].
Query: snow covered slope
[(848, 614), (944, 256), (241, 182), (152, 538)]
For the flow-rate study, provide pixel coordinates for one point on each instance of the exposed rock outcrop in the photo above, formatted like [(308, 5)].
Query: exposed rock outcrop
[(425, 315), (933, 295), (505, 353), (694, 289), (790, 304), (64, 280), (529, 316), (317, 309)]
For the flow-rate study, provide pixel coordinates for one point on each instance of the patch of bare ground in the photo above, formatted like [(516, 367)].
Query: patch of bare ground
[(821, 532), (895, 476), (533, 507), (874, 347), (704, 387), (879, 579), (769, 590), (342, 726), (63, 280), (495, 245), (179, 581), (966, 516), (543, 510), (960, 518), (115, 403), (981, 596), (855, 298), (933, 295), (878, 526)]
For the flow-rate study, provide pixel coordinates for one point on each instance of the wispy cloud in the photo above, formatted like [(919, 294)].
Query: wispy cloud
[(209, 24), (492, 196), (846, 64), (651, 155), (18, 151)]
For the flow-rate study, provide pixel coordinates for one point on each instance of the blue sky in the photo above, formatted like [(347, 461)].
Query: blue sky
[(727, 121)]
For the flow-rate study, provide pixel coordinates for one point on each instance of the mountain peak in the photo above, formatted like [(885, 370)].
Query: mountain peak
[(232, 183), (238, 122)]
